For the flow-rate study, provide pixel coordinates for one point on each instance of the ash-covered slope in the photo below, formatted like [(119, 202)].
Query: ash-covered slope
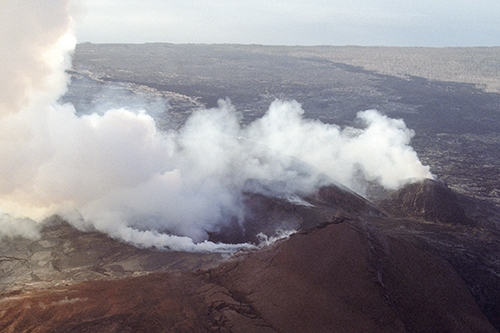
[(345, 277), (351, 268), (65, 255)]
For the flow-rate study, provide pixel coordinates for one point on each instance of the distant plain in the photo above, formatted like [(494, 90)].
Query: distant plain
[(450, 97)]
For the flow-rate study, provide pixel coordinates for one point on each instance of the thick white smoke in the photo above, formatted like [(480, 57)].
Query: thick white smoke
[(117, 173)]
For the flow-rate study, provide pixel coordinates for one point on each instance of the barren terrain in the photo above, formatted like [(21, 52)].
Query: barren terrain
[(456, 123), (425, 258)]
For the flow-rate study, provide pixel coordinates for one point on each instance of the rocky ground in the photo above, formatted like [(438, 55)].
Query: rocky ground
[(422, 259), (340, 278), (351, 268)]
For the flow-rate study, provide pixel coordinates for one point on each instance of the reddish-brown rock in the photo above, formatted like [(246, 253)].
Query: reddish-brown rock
[(351, 269), (343, 278)]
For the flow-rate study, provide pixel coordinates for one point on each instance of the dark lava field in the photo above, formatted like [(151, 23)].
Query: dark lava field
[(424, 258), (457, 124)]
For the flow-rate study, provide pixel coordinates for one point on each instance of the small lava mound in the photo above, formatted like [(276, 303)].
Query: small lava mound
[(430, 200)]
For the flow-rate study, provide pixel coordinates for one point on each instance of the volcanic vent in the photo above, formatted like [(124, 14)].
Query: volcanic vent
[(112, 224)]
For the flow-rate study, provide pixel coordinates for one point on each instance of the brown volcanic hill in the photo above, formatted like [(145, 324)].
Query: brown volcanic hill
[(351, 278), (352, 268), (345, 277), (429, 199), (270, 215), (65, 255)]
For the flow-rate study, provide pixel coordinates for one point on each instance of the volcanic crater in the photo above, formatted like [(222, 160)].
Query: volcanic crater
[(424, 258)]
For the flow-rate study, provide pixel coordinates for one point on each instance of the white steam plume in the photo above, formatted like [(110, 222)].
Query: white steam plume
[(117, 173), (29, 31)]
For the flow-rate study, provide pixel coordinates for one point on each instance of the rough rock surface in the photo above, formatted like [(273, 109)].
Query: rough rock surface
[(64, 255), (431, 200), (338, 278), (350, 268), (347, 278)]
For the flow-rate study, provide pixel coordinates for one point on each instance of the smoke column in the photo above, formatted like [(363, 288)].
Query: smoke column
[(119, 174)]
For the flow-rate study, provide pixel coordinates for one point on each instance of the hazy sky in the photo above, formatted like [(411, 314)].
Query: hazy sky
[(293, 22)]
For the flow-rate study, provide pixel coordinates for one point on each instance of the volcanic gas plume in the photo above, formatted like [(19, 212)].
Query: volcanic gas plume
[(116, 172)]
